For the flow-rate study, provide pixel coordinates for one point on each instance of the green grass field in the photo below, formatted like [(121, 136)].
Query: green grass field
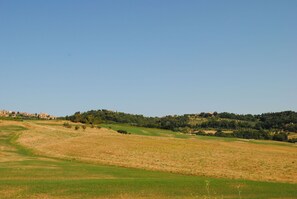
[(145, 131), (161, 132), (25, 175), (168, 133)]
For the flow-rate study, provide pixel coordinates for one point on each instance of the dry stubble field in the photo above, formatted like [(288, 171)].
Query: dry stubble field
[(239, 159)]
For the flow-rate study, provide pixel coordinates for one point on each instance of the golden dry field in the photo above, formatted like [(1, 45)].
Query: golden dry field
[(216, 157)]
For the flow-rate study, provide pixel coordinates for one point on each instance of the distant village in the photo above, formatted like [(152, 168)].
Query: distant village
[(17, 114)]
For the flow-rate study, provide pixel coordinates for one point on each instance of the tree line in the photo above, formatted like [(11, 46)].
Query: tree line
[(244, 126)]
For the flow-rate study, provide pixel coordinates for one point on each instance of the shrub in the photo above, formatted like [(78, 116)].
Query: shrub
[(220, 133), (280, 137), (76, 127), (98, 127), (200, 132), (84, 127), (122, 131), (66, 125), (293, 140), (252, 134)]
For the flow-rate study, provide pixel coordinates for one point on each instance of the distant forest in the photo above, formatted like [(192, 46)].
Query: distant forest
[(273, 126)]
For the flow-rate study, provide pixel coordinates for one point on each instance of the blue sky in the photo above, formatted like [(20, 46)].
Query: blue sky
[(149, 57)]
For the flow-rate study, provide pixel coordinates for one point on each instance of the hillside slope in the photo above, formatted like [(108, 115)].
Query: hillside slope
[(228, 158)]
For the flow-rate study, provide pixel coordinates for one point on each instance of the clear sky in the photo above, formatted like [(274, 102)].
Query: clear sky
[(152, 57)]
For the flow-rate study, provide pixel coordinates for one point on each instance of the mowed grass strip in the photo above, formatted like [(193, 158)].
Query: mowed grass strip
[(69, 179)]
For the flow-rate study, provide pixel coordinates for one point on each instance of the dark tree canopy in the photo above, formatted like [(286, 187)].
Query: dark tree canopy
[(243, 126)]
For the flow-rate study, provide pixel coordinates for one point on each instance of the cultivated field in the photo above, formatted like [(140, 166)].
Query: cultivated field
[(46, 160), (204, 157)]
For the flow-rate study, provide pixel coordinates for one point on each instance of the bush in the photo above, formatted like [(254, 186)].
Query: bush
[(84, 127), (76, 127), (280, 137), (252, 134), (66, 125), (220, 133), (200, 132), (122, 131), (293, 140), (98, 127)]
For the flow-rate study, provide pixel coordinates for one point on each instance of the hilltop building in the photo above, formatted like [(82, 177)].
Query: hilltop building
[(5, 113)]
